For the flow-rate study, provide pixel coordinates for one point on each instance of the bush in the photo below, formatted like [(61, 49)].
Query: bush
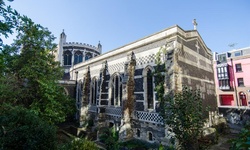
[(79, 144), (21, 129), (138, 145), (110, 138), (243, 141)]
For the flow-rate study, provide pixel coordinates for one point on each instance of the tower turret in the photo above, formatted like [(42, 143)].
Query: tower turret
[(62, 40), (99, 47), (63, 37)]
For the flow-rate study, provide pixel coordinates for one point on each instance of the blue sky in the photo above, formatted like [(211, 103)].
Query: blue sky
[(118, 22)]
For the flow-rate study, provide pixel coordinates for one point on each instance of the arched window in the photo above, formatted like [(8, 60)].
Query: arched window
[(243, 99), (94, 91), (148, 88), (88, 56), (116, 91), (77, 57), (150, 136), (67, 58), (138, 132)]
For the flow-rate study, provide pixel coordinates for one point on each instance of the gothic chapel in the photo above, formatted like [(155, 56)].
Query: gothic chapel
[(116, 89)]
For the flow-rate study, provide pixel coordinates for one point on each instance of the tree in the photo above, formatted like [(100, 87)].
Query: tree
[(39, 73), (181, 111), (35, 73), (9, 19), (21, 129), (79, 144), (8, 22), (184, 117)]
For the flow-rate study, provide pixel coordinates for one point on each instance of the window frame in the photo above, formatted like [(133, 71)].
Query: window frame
[(147, 106), (78, 57), (67, 58), (222, 72), (237, 68), (240, 82), (94, 91), (115, 90), (88, 56)]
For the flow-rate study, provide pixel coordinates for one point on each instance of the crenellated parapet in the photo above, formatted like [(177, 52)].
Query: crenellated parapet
[(72, 53), (82, 45)]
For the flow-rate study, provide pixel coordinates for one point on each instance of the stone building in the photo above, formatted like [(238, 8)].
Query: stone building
[(71, 53), (117, 88)]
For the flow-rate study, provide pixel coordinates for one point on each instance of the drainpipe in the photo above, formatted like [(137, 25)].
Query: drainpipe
[(235, 89)]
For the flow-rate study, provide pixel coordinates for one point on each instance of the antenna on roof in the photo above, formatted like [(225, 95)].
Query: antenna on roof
[(232, 45)]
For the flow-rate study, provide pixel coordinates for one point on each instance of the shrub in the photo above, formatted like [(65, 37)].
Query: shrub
[(79, 144), (21, 129), (243, 141)]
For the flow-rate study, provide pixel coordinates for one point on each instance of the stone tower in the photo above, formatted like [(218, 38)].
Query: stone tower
[(62, 40)]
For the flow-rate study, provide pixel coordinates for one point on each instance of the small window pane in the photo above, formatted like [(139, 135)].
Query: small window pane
[(240, 82)]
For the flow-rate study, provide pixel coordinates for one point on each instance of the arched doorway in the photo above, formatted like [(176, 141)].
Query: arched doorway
[(243, 98)]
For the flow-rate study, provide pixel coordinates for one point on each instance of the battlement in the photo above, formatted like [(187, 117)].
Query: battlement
[(81, 45)]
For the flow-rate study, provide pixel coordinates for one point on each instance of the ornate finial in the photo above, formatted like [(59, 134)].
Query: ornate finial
[(63, 30), (195, 24), (99, 44)]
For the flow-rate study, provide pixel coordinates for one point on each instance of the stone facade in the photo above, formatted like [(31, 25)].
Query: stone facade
[(72, 53), (118, 86)]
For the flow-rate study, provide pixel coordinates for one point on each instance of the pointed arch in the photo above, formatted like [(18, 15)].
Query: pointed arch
[(115, 90), (88, 56), (67, 58), (148, 85), (78, 57), (93, 91)]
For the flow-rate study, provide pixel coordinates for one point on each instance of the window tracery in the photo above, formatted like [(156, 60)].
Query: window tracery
[(116, 90), (78, 57), (67, 57)]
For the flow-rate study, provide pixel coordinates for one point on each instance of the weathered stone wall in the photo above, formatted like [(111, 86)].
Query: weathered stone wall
[(187, 62), (194, 61)]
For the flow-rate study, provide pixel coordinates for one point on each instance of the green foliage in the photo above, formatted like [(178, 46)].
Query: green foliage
[(110, 138), (243, 141), (34, 73), (138, 144), (8, 21), (182, 112), (21, 129), (184, 117), (159, 75), (80, 144)]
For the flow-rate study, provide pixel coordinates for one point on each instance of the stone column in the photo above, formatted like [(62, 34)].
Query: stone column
[(128, 101), (73, 56), (85, 98)]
